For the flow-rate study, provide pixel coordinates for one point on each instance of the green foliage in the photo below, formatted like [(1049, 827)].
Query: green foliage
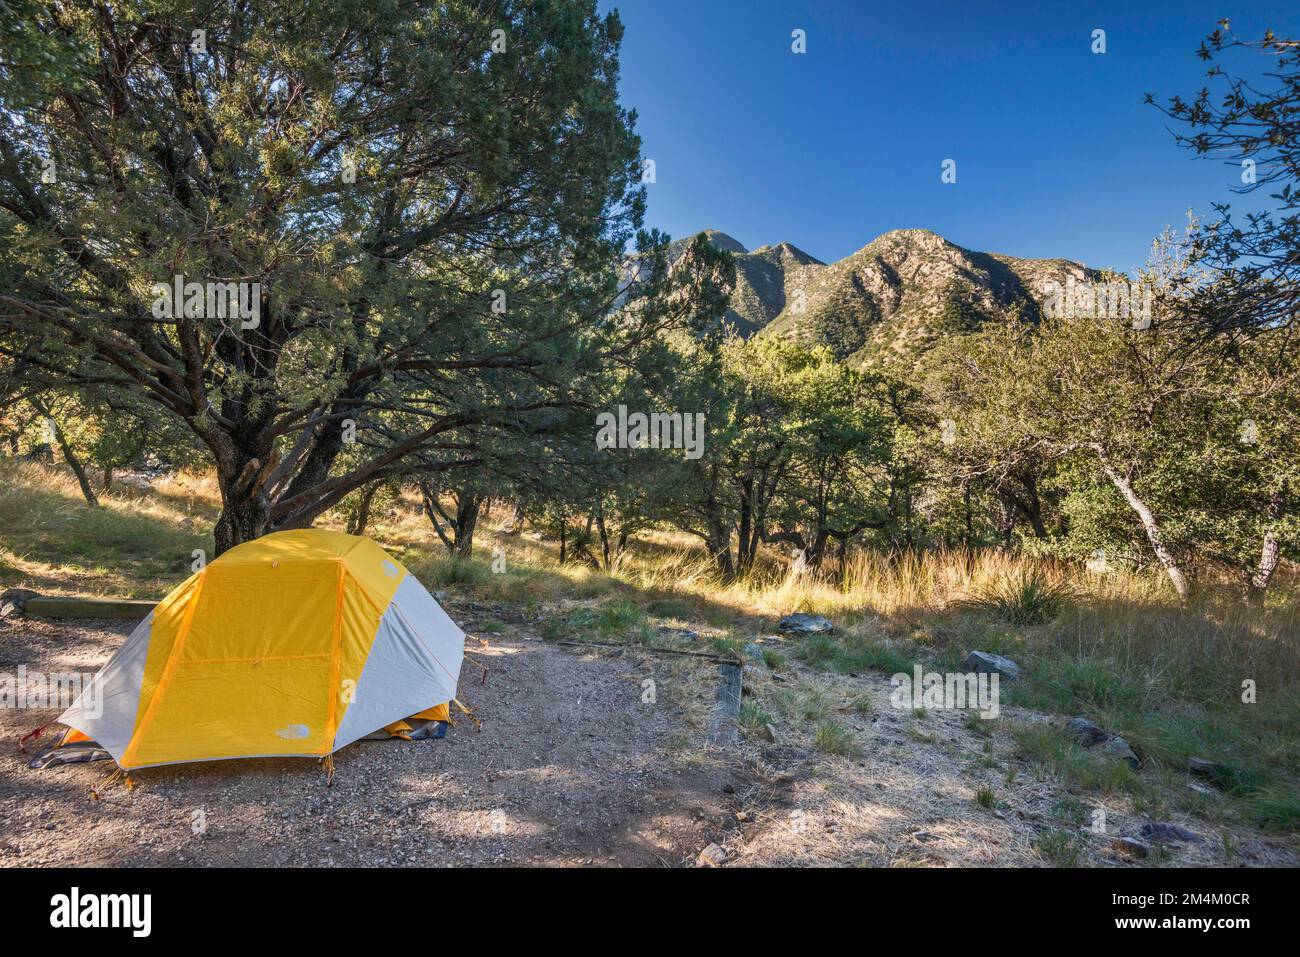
[(1023, 597), (379, 211), (832, 737), (852, 654), (1058, 848), (1275, 807)]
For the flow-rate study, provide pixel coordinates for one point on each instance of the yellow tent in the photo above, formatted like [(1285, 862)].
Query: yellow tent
[(295, 644)]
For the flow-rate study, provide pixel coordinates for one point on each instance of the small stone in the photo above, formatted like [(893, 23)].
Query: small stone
[(986, 663), (1222, 776), (804, 624), (440, 597), (681, 634), (13, 599), (1165, 832), (711, 856), (1117, 747), (1130, 847), (768, 733), (1085, 732)]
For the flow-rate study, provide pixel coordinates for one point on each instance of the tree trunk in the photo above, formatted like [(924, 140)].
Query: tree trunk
[(720, 551), (69, 455), (1152, 529), (967, 543), (358, 522), (517, 522), (244, 512), (744, 530), (108, 478), (467, 510), (1270, 553), (604, 537), (242, 519)]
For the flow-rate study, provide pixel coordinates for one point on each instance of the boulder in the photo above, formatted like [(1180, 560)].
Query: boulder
[(1164, 832), (1091, 735), (1222, 776), (1085, 732), (1130, 847), (986, 663), (804, 624), (1117, 747), (13, 599)]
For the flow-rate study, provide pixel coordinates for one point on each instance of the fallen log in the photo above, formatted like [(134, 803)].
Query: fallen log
[(44, 607)]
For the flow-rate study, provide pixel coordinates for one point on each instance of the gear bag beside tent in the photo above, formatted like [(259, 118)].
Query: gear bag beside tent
[(292, 645)]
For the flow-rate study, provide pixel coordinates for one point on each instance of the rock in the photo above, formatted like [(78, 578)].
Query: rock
[(803, 624), (682, 634), (1130, 847), (1085, 732), (1222, 776), (986, 663), (1117, 747), (1165, 832), (1090, 735), (13, 599), (440, 597), (754, 664), (711, 856), (768, 733)]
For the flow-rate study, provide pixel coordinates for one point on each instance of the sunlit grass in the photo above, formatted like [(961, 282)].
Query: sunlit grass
[(1172, 677)]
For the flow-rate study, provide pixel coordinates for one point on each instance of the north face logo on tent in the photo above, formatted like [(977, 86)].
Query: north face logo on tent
[(294, 731), (390, 569)]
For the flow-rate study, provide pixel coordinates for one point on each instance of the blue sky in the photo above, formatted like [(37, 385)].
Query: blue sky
[(1056, 153)]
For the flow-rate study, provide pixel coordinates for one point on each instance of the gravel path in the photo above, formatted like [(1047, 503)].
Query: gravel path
[(570, 768), (574, 766)]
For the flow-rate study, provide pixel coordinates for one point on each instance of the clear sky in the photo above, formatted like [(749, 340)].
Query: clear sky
[(1056, 153)]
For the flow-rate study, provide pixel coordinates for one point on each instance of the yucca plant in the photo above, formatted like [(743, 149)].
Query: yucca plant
[(1022, 596)]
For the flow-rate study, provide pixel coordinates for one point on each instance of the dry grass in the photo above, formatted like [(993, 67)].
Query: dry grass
[(1117, 646)]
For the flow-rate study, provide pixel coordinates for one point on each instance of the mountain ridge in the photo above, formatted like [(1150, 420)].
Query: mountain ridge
[(887, 302)]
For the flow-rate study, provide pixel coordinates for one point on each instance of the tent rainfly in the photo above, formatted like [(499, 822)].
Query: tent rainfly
[(292, 645)]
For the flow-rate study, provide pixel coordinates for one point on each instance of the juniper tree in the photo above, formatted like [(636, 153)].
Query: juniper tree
[(419, 207)]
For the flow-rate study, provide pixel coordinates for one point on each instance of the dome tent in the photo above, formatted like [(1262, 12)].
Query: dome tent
[(292, 645)]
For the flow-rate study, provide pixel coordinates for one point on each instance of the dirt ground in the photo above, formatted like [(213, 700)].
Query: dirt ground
[(574, 766)]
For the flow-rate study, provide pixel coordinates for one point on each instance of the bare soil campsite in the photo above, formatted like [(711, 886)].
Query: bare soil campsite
[(605, 754)]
